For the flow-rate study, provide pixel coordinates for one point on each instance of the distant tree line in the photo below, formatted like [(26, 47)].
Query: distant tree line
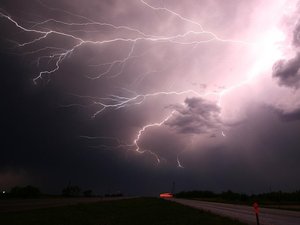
[(23, 192), (278, 196), (71, 191), (68, 191), (114, 195), (75, 191)]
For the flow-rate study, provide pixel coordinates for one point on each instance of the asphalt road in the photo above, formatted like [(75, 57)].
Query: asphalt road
[(246, 213)]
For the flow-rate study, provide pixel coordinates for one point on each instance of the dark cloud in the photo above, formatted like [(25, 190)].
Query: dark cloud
[(258, 155), (288, 72), (41, 141), (289, 116), (196, 116)]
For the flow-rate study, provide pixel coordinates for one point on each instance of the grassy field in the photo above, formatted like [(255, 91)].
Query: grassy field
[(139, 211)]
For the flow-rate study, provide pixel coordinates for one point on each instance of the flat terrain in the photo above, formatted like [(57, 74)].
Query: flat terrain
[(292, 207), (16, 205), (135, 211), (246, 213)]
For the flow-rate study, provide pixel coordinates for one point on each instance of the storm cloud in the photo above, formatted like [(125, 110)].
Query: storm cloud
[(196, 116), (131, 96), (288, 72)]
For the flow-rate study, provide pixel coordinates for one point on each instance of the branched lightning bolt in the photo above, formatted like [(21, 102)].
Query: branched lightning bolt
[(41, 31), (141, 131), (115, 143), (121, 102), (112, 64), (59, 57), (202, 30)]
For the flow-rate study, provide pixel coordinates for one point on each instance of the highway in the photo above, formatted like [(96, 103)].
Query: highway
[(245, 213)]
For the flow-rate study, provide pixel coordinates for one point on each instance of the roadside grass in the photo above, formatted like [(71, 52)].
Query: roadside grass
[(137, 211), (290, 207)]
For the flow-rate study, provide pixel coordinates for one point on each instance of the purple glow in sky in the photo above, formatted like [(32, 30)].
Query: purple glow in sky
[(208, 87)]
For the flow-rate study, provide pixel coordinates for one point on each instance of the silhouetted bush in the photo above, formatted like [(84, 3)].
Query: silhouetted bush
[(114, 195), (88, 193), (196, 194), (25, 192), (230, 196), (71, 191)]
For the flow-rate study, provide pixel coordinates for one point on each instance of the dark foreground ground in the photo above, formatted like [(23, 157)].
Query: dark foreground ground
[(136, 211), (18, 205)]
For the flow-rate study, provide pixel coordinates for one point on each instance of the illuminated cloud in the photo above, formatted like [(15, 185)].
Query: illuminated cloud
[(287, 72), (196, 116), (120, 86)]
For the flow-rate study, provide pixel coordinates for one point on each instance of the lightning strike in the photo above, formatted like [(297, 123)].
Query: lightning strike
[(202, 30), (179, 165), (42, 31), (61, 56), (223, 134), (141, 131)]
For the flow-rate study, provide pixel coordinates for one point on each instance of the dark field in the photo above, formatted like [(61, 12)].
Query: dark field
[(139, 211)]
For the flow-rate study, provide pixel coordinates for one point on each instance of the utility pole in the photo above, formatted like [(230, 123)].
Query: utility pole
[(173, 187)]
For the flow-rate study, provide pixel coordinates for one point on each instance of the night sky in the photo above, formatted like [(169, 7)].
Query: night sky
[(131, 96)]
